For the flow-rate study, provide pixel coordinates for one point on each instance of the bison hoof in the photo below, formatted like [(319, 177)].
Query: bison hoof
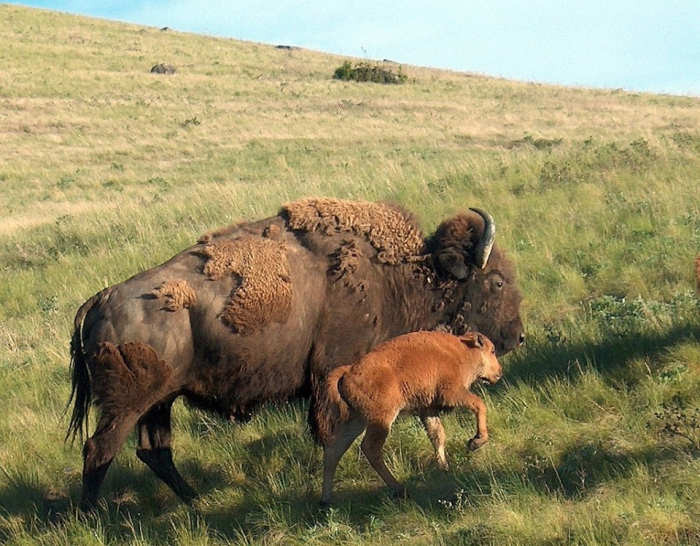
[(475, 443), (401, 494)]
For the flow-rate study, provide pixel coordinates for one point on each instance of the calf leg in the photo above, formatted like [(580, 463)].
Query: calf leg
[(99, 452), (372, 445), (337, 445), (154, 450), (436, 434), (476, 405)]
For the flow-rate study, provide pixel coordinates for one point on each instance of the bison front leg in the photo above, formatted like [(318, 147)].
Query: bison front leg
[(436, 434), (155, 451)]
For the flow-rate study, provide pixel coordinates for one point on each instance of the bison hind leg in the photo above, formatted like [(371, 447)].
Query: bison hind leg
[(155, 451), (99, 452), (127, 380)]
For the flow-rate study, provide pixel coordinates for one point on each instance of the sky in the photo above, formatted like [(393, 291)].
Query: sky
[(635, 45)]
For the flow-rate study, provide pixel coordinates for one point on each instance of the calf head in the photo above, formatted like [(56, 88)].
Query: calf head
[(489, 368)]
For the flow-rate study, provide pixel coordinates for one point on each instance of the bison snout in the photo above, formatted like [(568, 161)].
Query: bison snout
[(512, 340)]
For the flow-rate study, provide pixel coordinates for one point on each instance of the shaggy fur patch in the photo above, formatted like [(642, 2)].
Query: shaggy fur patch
[(177, 295), (128, 377), (392, 231), (457, 233), (344, 262), (265, 290)]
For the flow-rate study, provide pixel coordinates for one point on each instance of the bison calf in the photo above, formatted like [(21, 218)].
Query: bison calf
[(420, 373)]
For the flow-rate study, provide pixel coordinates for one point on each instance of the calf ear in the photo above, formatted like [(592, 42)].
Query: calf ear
[(473, 340), (453, 263)]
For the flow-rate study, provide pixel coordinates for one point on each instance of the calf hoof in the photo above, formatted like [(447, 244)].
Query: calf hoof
[(475, 443)]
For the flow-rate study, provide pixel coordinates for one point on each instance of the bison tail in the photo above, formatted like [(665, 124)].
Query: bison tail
[(327, 406), (81, 394)]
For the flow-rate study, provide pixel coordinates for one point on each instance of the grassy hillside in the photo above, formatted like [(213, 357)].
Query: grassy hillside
[(108, 169)]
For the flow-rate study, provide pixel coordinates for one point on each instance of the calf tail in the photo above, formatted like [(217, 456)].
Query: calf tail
[(328, 407), (81, 394)]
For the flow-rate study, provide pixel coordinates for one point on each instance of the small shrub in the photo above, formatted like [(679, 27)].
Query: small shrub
[(674, 419), (369, 72), (190, 121)]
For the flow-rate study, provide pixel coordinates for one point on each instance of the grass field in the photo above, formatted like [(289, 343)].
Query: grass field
[(108, 169)]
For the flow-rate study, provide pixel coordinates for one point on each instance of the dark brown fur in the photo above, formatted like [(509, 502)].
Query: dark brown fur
[(130, 377), (279, 303)]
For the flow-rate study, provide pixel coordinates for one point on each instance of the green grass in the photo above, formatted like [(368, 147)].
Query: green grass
[(109, 169)]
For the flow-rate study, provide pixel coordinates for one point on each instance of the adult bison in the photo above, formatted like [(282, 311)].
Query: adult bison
[(263, 310)]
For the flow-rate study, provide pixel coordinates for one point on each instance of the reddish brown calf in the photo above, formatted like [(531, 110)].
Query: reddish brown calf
[(420, 373)]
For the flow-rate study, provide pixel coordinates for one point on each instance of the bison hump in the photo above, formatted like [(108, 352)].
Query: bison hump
[(392, 231)]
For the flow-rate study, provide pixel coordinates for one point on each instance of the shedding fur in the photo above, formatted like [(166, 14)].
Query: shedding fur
[(344, 262), (265, 290), (177, 295), (392, 231), (128, 377)]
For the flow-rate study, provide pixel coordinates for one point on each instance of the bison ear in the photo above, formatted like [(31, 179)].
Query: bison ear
[(473, 340), (453, 263)]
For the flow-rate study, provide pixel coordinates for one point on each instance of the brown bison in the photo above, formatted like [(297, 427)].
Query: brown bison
[(421, 373), (264, 310)]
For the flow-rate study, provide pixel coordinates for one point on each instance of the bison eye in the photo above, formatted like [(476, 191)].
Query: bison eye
[(496, 281)]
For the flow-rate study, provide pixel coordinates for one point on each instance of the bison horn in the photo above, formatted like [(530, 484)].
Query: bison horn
[(483, 249)]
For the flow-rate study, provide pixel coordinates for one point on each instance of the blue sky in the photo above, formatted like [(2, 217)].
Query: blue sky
[(637, 45)]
